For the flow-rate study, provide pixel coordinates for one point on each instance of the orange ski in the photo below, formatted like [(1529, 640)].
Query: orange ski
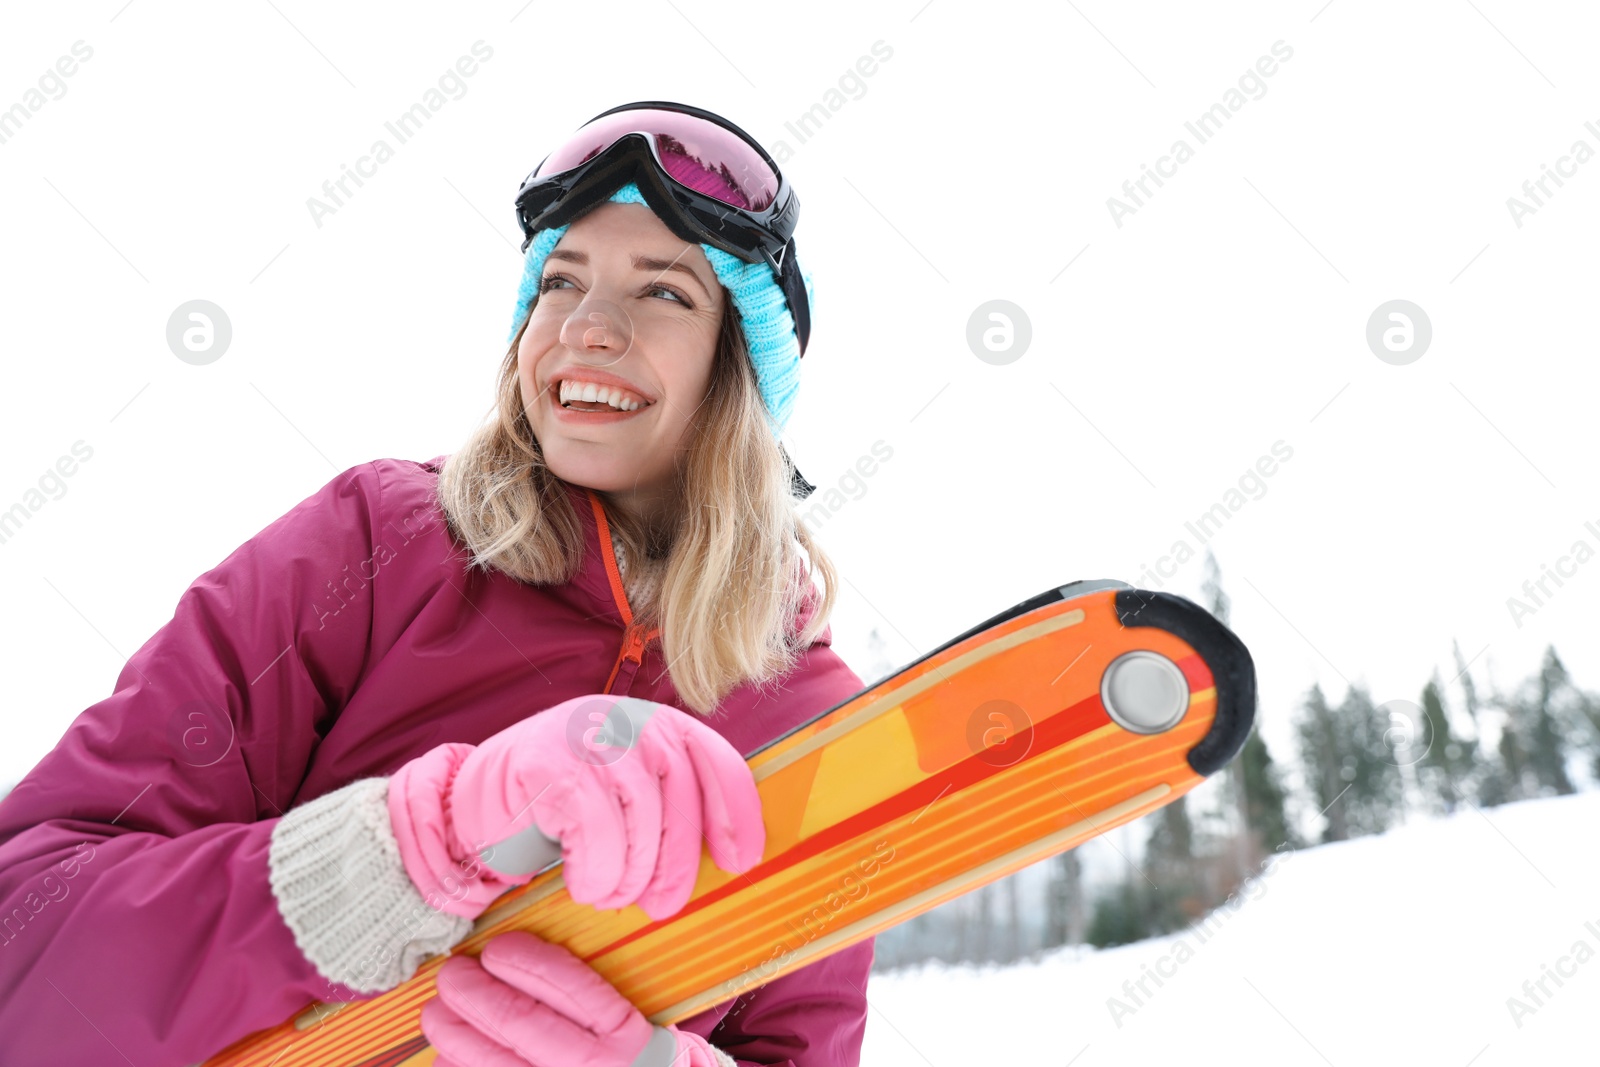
[(1040, 728)]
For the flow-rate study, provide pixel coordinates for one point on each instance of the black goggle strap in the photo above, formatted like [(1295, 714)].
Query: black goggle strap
[(794, 291), (798, 486)]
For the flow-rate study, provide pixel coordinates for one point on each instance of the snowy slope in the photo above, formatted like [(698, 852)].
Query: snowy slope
[(1398, 949)]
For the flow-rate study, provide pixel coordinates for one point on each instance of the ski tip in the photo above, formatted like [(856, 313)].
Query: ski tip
[(1232, 669)]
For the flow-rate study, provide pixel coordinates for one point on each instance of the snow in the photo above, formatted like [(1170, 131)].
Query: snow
[(1403, 948)]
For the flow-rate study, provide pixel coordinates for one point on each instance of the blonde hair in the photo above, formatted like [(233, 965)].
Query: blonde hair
[(731, 573)]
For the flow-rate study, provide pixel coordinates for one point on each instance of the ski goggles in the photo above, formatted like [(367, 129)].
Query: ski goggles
[(739, 201)]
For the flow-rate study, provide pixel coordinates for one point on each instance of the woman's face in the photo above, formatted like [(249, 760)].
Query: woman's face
[(627, 312)]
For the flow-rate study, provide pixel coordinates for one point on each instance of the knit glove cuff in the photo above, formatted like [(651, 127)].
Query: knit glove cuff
[(336, 872)]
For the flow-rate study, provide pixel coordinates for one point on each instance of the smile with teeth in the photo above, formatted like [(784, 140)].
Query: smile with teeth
[(594, 397)]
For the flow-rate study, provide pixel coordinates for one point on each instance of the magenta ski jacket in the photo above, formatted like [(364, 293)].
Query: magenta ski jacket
[(137, 924)]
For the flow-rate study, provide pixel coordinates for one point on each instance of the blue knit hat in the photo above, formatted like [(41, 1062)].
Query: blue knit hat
[(769, 330)]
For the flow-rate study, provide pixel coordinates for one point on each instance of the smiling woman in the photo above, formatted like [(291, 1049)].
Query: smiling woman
[(620, 535)]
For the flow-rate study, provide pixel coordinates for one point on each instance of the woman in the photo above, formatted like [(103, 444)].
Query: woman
[(365, 723)]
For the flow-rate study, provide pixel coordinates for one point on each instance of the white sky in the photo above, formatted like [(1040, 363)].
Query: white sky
[(1225, 315)]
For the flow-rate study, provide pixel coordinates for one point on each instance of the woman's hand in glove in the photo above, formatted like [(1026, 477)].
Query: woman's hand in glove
[(628, 788), (526, 1001)]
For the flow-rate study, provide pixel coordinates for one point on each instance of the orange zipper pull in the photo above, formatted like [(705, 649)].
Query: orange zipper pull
[(634, 649)]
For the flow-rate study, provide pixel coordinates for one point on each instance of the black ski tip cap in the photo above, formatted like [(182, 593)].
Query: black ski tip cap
[(1231, 668)]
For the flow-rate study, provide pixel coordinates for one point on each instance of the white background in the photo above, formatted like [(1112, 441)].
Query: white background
[(1168, 354)]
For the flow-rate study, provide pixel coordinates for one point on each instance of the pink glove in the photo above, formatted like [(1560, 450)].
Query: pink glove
[(626, 786), (531, 1002)]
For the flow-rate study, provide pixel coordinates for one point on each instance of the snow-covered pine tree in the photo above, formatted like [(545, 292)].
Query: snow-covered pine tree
[(1265, 797), (1064, 905), (1321, 754), (1534, 737), (1542, 720), (1446, 769), (1169, 895), (1374, 802)]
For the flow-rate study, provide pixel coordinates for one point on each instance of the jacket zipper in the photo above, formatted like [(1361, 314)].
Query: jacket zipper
[(628, 660), (634, 637)]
